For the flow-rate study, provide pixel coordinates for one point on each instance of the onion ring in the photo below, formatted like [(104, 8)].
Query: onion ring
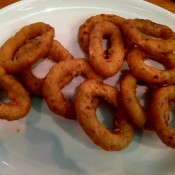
[(32, 83), (45, 34), (135, 111), (60, 75), (20, 102), (159, 111), (85, 28), (106, 65), (86, 115), (139, 69), (140, 32)]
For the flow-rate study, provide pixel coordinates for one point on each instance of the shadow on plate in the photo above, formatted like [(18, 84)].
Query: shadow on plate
[(40, 138)]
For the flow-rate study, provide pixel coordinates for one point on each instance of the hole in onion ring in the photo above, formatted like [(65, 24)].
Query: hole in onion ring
[(143, 95), (42, 67), (155, 64), (106, 46), (4, 96), (172, 114), (105, 115), (26, 48), (70, 89)]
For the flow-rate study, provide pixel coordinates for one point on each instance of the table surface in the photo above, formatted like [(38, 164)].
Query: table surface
[(167, 4)]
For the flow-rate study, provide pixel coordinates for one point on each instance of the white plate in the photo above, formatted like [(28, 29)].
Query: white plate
[(46, 144)]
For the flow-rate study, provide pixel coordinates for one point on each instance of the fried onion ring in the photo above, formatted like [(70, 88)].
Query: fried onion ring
[(86, 115), (151, 37), (138, 115), (33, 83), (59, 76), (139, 69), (104, 64), (85, 28), (20, 102), (44, 34), (160, 114)]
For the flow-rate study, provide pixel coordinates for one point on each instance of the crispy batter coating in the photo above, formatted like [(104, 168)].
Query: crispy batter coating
[(150, 74), (138, 115), (19, 102), (85, 28), (59, 76), (86, 114), (149, 36), (106, 63), (160, 114), (31, 82), (44, 34)]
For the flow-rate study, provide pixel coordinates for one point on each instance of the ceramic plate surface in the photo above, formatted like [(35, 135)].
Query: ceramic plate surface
[(45, 144)]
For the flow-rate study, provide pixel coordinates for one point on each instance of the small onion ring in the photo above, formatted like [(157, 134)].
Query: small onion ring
[(149, 74), (33, 83), (20, 102), (142, 31), (60, 75), (109, 65), (86, 115), (85, 28), (159, 111), (44, 34)]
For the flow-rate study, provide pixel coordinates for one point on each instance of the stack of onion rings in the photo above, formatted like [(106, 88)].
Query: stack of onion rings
[(32, 83), (60, 75), (143, 38)]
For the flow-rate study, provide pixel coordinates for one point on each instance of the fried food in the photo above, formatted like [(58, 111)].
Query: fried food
[(19, 103), (86, 115), (106, 63), (44, 34), (59, 76), (138, 115), (160, 114), (149, 36), (149, 74), (85, 28), (33, 83), (133, 39)]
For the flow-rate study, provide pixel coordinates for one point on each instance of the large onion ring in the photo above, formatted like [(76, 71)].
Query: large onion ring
[(104, 64), (140, 32), (86, 115), (59, 76), (44, 34), (160, 111), (19, 102), (85, 28)]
